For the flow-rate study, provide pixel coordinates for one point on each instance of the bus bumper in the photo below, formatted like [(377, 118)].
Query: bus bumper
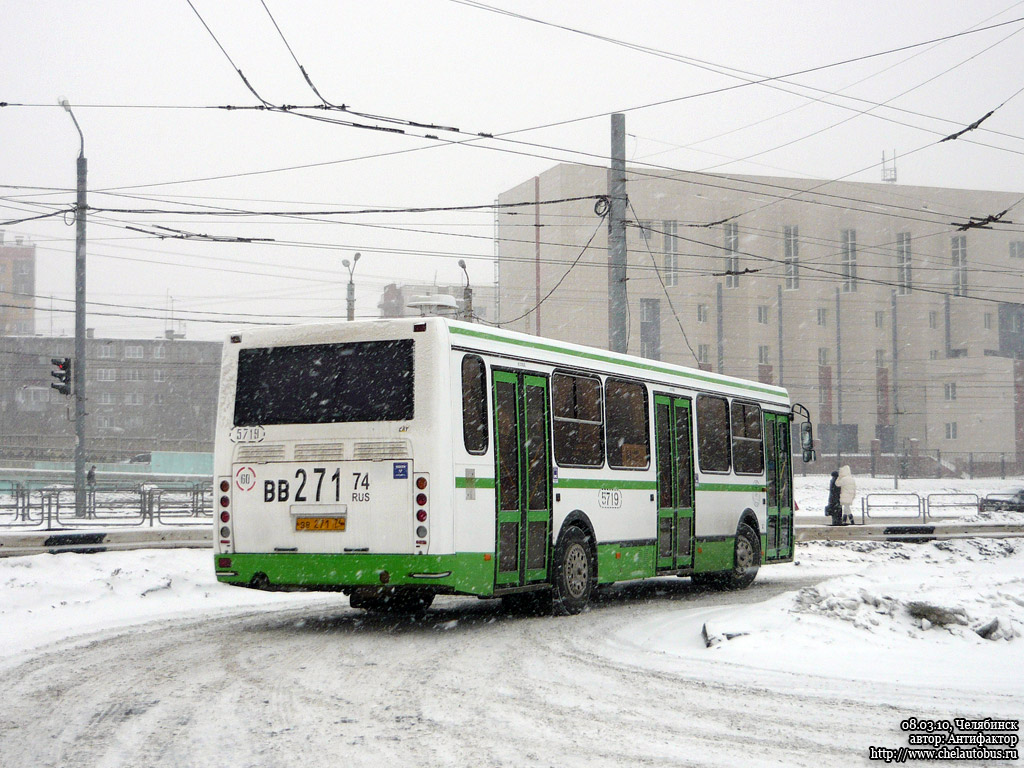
[(469, 573)]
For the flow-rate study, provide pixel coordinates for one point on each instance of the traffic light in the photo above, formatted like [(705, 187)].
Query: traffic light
[(62, 374)]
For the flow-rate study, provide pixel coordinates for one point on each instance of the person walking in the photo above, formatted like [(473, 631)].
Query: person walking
[(847, 492), (834, 508)]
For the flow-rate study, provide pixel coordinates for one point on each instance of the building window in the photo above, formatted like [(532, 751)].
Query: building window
[(159, 375), (578, 425), (791, 248), (960, 265), (107, 398), (107, 351), (160, 352), (822, 316), (702, 313), (951, 430), (1017, 249), (671, 253), (646, 229), (763, 354), (628, 434), (762, 314), (879, 358), (106, 374), (848, 260), (732, 256), (713, 433), (822, 355), (903, 263), (933, 319), (703, 353), (650, 328), (950, 391), (474, 405), (133, 351), (133, 374), (933, 354), (879, 319), (133, 398), (158, 399), (988, 321), (105, 422)]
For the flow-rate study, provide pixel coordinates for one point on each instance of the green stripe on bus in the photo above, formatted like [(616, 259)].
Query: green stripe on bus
[(478, 482), (730, 487), (617, 361), (607, 485)]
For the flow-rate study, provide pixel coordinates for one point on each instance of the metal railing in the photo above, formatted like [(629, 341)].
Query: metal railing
[(906, 507), (107, 506)]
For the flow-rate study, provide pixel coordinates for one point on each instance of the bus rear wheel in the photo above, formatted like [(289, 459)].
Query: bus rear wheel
[(574, 573), (746, 559)]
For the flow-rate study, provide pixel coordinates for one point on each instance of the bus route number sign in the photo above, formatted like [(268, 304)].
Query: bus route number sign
[(248, 434), (610, 499)]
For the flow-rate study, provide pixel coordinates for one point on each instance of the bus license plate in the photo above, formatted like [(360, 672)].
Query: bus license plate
[(320, 524)]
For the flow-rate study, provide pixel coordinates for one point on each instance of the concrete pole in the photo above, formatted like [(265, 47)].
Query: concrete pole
[(78, 373), (895, 401), (617, 331)]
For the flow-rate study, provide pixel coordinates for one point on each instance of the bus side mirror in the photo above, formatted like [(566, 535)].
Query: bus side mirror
[(807, 441)]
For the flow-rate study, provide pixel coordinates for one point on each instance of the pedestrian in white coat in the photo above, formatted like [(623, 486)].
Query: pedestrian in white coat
[(847, 492)]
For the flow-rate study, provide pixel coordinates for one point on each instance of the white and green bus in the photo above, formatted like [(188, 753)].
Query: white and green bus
[(395, 460)]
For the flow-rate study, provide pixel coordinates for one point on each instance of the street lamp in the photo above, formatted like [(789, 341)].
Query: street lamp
[(467, 295), (79, 367), (351, 286)]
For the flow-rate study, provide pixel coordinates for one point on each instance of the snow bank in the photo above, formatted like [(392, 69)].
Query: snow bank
[(946, 614)]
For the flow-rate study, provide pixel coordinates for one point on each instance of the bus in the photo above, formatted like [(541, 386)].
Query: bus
[(395, 460)]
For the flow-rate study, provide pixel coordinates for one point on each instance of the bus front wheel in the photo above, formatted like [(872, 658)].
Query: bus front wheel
[(575, 573)]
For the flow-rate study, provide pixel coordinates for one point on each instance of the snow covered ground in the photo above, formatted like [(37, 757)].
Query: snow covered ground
[(832, 652)]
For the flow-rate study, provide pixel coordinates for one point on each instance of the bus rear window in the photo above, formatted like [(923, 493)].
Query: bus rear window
[(325, 383)]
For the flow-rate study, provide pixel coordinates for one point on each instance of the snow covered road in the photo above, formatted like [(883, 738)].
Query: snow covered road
[(290, 680)]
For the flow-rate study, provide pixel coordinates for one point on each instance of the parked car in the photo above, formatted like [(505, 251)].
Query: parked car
[(1012, 501)]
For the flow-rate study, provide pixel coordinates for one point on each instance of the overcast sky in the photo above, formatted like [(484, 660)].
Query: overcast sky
[(449, 63)]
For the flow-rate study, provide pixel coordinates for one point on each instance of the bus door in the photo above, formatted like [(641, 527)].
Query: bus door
[(674, 445), (522, 458), (779, 523)]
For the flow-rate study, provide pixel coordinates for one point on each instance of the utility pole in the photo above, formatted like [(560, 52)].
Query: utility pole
[(81, 206), (351, 267), (618, 336), (895, 402)]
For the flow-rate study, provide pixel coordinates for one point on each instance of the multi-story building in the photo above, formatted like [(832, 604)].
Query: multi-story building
[(141, 395), (835, 290), (17, 286)]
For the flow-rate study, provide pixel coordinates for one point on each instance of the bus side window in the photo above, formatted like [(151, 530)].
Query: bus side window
[(629, 442), (578, 425), (713, 433), (747, 445), (474, 405)]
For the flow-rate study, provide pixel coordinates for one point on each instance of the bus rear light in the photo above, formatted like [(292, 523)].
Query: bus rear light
[(421, 499), (385, 577), (225, 532), (223, 562), (421, 482), (225, 516), (421, 531), (421, 515), (225, 486), (224, 501)]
